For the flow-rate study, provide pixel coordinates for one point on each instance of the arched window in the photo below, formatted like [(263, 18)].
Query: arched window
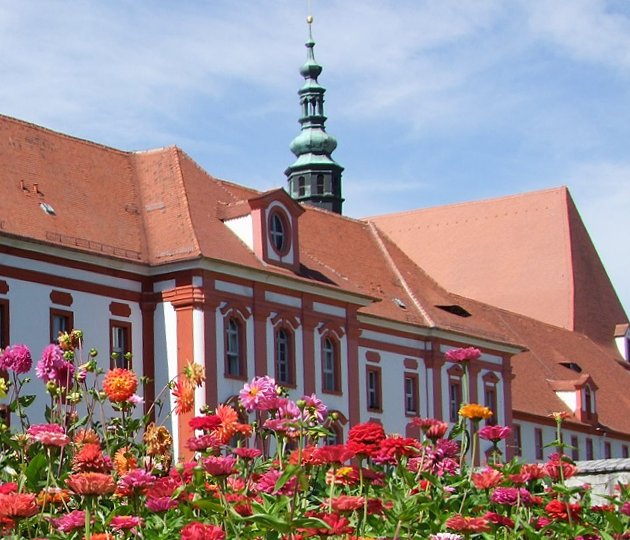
[(234, 354), (331, 369), (301, 191), (285, 364), (588, 399)]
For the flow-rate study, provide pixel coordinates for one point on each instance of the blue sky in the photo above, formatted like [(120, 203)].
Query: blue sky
[(432, 102)]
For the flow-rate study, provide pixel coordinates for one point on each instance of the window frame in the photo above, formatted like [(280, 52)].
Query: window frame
[(517, 440), (278, 216), (413, 396), (290, 360), (625, 453), (454, 398), (5, 323), (126, 327), (607, 450), (539, 444), (590, 449), (333, 352), (62, 313), (373, 388), (575, 448), (239, 354)]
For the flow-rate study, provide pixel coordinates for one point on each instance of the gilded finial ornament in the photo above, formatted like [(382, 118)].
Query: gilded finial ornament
[(309, 19)]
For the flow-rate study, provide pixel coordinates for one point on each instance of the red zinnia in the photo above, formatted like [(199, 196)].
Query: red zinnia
[(563, 511), (468, 524), (18, 505), (200, 531), (91, 483)]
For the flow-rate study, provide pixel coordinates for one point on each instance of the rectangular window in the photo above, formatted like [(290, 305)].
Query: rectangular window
[(539, 444), (624, 451), (4, 324), (120, 344), (454, 399), (575, 450), (589, 449), (234, 354), (60, 321), (490, 398), (284, 358), (607, 450), (331, 378), (411, 394), (373, 378), (518, 442)]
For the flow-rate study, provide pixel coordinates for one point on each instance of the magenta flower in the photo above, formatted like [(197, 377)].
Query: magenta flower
[(463, 354), (219, 466), (135, 482), (494, 433), (16, 358), (315, 407), (48, 434), (70, 522), (511, 496), (53, 367), (258, 394), (267, 483), (161, 504), (122, 523)]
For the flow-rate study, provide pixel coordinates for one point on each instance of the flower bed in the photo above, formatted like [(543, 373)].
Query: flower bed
[(261, 470)]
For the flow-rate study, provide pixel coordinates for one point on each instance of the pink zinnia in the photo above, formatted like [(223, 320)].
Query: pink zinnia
[(267, 483), (511, 496), (48, 434), (494, 433), (247, 453), (16, 358), (219, 466), (122, 523), (70, 522), (255, 395), (464, 354), (135, 482), (161, 504)]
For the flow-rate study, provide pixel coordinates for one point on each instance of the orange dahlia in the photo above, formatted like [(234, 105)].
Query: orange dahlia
[(86, 436), (120, 384), (475, 412), (124, 461), (229, 423), (195, 373), (158, 440), (184, 394)]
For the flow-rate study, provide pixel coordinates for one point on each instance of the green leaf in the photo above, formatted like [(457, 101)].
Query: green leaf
[(25, 401), (288, 473), (36, 471), (271, 522)]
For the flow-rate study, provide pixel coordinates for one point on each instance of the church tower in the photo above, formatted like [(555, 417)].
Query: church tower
[(314, 177)]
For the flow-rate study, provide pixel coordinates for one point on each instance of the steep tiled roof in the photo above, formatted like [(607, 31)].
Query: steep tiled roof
[(539, 369), (527, 253)]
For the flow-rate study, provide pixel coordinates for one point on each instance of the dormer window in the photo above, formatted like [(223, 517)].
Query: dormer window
[(278, 233)]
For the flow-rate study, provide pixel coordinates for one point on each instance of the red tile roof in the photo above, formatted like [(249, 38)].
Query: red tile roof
[(527, 253)]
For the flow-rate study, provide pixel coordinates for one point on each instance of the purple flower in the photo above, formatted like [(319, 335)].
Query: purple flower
[(53, 367), (511, 496), (70, 522), (463, 354), (136, 481), (161, 504), (16, 358)]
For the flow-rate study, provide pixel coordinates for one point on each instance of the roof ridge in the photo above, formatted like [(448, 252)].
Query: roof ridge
[(63, 135), (180, 176), (562, 188), (390, 261)]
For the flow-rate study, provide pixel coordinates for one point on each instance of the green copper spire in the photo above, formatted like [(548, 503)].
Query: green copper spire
[(314, 177)]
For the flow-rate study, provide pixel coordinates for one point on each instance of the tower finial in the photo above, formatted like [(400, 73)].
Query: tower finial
[(314, 177)]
